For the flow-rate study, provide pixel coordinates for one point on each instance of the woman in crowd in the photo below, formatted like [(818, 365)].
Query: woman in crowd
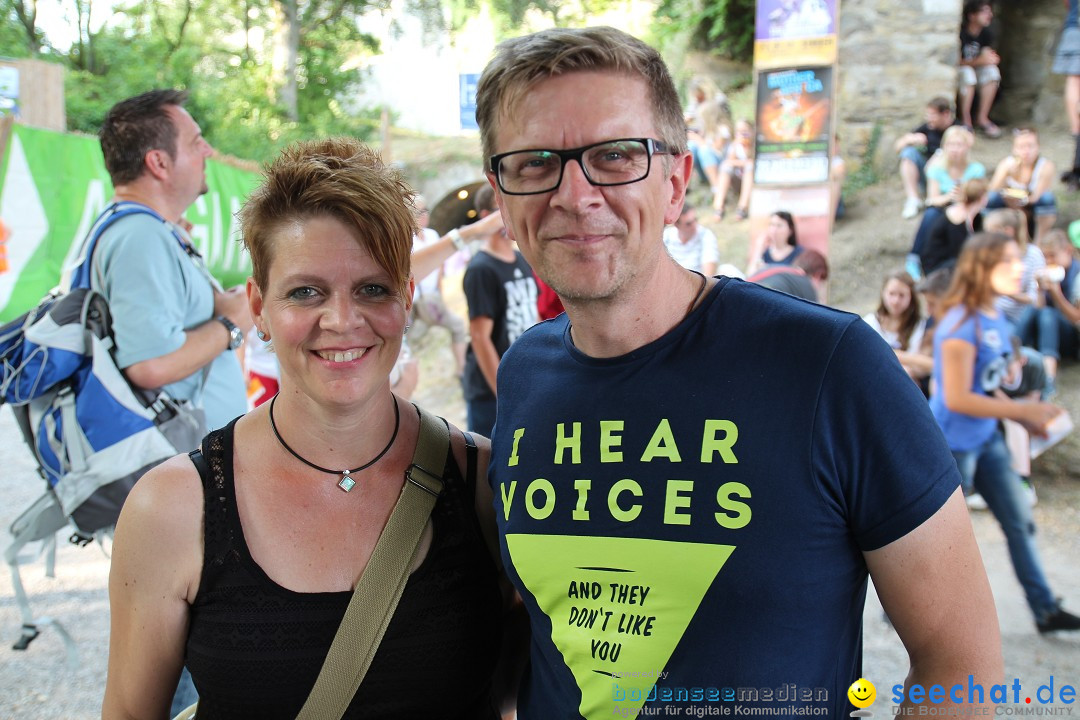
[(972, 357), (242, 571), (1052, 322), (1023, 181), (946, 172), (778, 245), (899, 322), (1013, 224), (737, 169), (961, 219)]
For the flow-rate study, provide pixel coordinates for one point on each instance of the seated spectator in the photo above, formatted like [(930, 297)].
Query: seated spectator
[(1013, 224), (705, 127), (736, 171), (898, 319), (916, 148), (960, 220), (978, 66), (692, 245), (1023, 180), (1050, 325), (945, 173), (779, 244), (932, 290), (804, 278)]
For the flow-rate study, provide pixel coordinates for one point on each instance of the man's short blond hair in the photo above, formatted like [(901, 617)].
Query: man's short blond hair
[(521, 62)]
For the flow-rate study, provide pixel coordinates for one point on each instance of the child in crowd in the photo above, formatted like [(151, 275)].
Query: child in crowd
[(1012, 223), (1023, 181), (1050, 324), (738, 170), (961, 219), (898, 320), (972, 352), (946, 172)]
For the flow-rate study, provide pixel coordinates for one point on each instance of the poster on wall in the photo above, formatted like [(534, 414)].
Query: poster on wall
[(795, 32), (794, 116)]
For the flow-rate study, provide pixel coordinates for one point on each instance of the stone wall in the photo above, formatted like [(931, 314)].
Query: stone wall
[(894, 56)]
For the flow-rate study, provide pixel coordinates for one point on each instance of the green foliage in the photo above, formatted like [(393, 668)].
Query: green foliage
[(867, 172), (724, 27), (221, 51)]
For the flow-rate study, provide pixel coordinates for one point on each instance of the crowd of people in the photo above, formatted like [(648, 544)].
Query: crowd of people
[(235, 566)]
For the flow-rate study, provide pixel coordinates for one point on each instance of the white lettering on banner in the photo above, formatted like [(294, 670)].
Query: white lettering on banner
[(20, 206)]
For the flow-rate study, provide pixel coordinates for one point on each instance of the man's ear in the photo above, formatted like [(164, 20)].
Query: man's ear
[(158, 163), (682, 167), (507, 226)]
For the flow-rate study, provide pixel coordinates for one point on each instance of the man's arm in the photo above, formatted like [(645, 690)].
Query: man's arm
[(201, 345), (487, 357), (933, 586), (1066, 308), (917, 139)]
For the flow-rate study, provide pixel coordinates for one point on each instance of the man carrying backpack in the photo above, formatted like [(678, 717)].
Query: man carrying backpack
[(174, 326)]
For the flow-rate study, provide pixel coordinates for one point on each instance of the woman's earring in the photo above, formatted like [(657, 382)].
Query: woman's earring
[(406, 332), (262, 336)]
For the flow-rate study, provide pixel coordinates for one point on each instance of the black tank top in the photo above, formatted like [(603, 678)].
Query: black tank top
[(255, 648)]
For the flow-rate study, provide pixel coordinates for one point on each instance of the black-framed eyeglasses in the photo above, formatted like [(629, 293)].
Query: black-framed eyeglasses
[(612, 162)]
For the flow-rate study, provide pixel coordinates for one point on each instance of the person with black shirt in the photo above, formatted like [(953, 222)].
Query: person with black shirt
[(916, 148), (501, 292), (978, 66)]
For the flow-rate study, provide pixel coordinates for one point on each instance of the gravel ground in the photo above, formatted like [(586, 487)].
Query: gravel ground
[(39, 685)]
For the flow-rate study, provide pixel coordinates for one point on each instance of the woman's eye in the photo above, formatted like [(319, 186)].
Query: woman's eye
[(373, 291), (302, 293)]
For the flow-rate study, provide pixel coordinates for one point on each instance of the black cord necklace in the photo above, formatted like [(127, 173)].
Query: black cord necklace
[(346, 483)]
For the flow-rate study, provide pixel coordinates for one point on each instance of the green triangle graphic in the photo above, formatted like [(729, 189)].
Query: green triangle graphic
[(600, 624)]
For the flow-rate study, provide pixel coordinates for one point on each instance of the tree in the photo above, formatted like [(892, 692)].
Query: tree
[(724, 27), (24, 13)]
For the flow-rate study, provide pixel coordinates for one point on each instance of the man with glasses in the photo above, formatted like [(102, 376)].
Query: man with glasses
[(690, 244), (693, 475)]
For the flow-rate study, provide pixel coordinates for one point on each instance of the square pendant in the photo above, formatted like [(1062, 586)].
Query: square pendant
[(346, 483)]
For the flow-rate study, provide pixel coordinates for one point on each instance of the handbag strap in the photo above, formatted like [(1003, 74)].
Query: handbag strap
[(380, 585)]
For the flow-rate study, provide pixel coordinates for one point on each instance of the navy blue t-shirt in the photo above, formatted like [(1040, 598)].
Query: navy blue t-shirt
[(686, 522)]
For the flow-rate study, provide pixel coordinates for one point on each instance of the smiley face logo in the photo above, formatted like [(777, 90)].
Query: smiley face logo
[(862, 693)]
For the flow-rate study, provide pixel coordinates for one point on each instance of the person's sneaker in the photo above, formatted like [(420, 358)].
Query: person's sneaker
[(1049, 390), (913, 266), (1058, 620), (1029, 492), (912, 206), (975, 501)]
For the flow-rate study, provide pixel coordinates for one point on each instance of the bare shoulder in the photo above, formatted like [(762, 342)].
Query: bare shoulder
[(168, 492), (161, 523)]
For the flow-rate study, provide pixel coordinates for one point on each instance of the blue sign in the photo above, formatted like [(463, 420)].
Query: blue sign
[(467, 91)]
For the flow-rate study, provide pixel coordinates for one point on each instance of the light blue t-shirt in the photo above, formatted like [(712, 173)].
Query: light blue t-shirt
[(156, 292), (990, 336), (945, 181)]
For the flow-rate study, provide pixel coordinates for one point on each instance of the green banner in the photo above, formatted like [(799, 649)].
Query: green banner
[(53, 185)]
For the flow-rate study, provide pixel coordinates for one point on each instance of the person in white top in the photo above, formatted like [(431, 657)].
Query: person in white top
[(691, 245), (898, 320)]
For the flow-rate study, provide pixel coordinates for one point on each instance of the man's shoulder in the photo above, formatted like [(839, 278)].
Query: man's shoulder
[(759, 310), (133, 238)]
